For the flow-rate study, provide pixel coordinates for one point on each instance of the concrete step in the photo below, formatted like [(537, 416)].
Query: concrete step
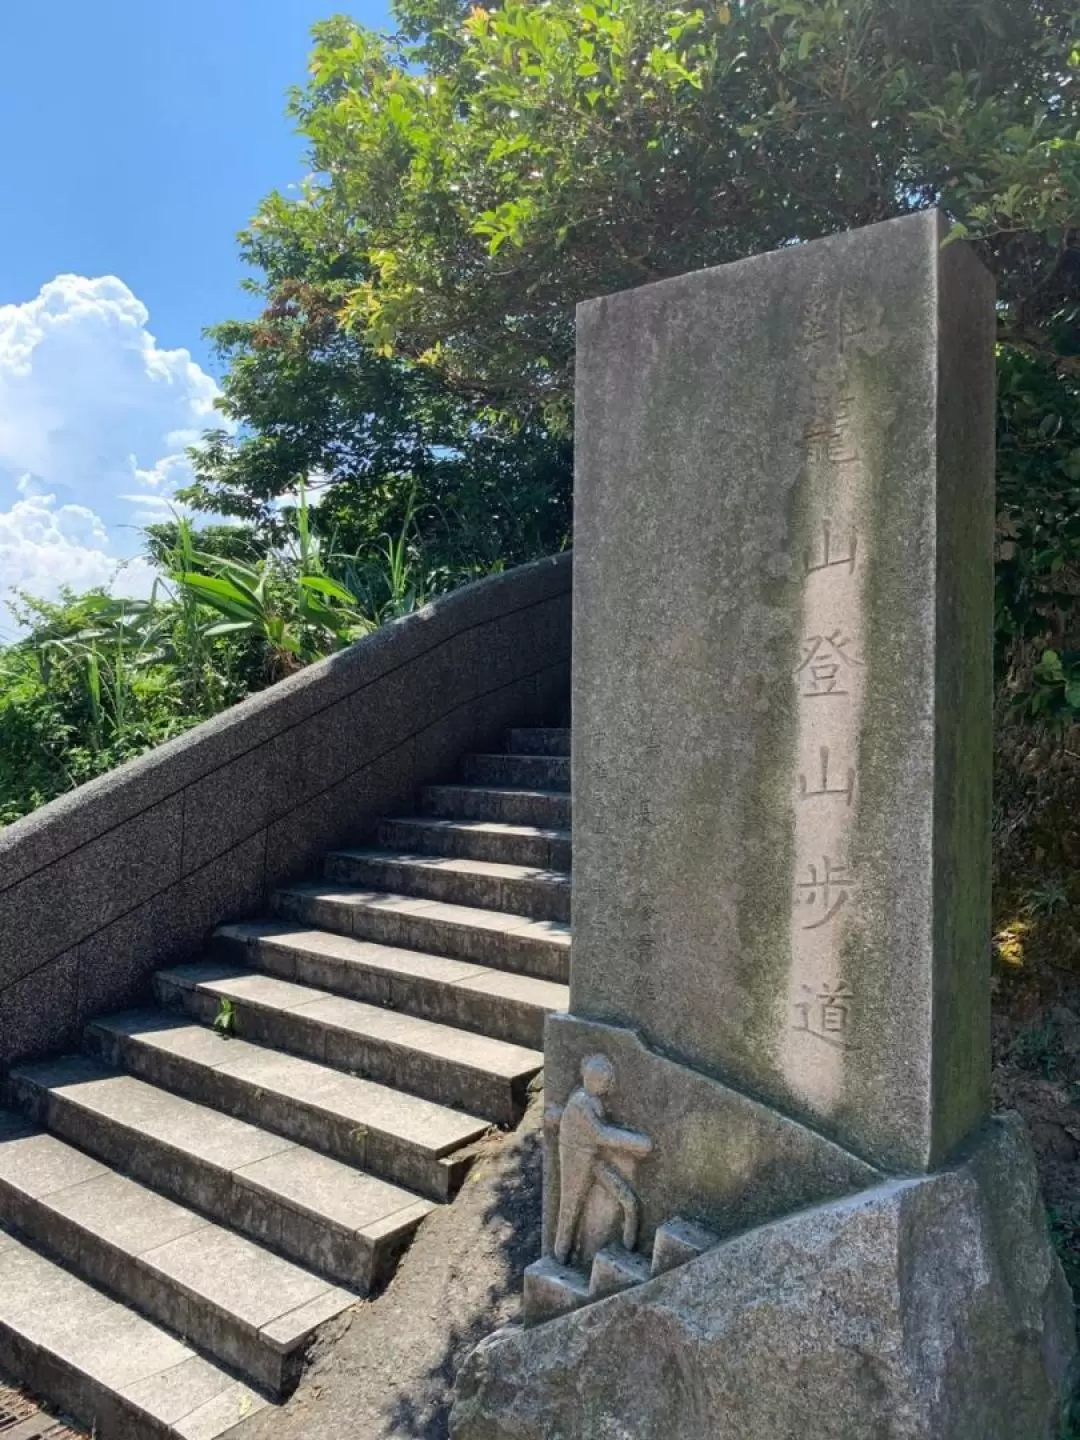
[(485, 1076), (540, 741), (453, 992), (530, 772), (479, 840), (103, 1364), (544, 808), (250, 1309), (411, 1141), (540, 948), (325, 1215), (489, 884)]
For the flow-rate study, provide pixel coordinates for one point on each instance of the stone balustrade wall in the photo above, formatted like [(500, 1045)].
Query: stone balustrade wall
[(131, 871)]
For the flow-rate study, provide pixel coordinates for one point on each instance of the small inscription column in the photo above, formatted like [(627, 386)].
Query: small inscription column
[(823, 1003)]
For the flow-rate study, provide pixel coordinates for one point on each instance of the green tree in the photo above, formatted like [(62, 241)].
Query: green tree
[(547, 152), (482, 171), (375, 438)]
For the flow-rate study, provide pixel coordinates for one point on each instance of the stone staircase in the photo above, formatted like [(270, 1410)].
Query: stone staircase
[(187, 1202)]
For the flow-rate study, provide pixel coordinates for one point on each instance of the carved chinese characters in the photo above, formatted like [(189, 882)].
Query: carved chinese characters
[(838, 455), (822, 1004)]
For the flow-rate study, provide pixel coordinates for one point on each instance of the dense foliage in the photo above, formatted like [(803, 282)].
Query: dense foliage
[(376, 437), (97, 680), (554, 151), (480, 172), (1038, 569)]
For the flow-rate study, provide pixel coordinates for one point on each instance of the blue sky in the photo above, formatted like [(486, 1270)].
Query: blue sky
[(136, 138)]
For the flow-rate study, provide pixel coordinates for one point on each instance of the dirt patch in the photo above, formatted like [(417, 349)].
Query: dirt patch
[(1037, 1072), (391, 1374)]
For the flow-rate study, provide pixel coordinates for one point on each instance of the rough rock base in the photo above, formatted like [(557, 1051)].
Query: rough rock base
[(924, 1309)]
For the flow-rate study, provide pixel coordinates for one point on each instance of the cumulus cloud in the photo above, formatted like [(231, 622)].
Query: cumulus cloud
[(45, 546), (94, 419)]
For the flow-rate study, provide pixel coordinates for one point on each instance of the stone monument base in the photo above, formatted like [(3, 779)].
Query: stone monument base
[(922, 1309)]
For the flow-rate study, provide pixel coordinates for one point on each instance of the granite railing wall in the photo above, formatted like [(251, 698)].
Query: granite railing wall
[(131, 871)]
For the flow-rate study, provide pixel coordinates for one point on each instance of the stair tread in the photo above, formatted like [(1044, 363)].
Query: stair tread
[(250, 1285), (495, 797), (550, 773), (481, 827), (393, 960), (538, 740), (555, 931), (368, 1105), (458, 865), (462, 1047), (81, 1329), (511, 755), (293, 1174), (529, 792)]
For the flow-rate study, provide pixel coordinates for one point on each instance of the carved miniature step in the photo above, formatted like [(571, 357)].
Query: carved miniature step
[(325, 1215), (531, 772), (491, 885), (485, 1076), (105, 1365), (544, 808), (249, 1308), (543, 849), (552, 1289), (453, 992), (615, 1269), (490, 937), (677, 1241), (414, 1142), (539, 741)]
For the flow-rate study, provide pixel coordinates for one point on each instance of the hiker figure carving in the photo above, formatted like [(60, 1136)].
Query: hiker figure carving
[(589, 1146)]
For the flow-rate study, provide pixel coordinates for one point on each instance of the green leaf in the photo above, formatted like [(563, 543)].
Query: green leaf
[(223, 595), (328, 587), (227, 627)]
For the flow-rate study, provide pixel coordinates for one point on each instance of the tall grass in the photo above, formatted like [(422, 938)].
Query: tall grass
[(96, 679)]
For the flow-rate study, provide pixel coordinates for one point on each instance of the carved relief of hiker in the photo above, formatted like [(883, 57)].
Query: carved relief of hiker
[(589, 1146)]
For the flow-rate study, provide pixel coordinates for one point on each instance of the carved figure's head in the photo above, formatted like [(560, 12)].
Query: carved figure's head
[(597, 1074)]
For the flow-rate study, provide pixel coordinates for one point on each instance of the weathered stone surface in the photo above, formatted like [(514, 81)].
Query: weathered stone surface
[(615, 1269), (677, 1241), (782, 679), (107, 1366), (924, 1309), (717, 1157), (553, 1289)]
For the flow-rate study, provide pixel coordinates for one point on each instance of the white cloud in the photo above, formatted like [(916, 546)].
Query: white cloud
[(45, 546), (94, 419)]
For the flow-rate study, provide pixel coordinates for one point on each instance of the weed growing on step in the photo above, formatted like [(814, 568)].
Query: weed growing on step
[(225, 1019)]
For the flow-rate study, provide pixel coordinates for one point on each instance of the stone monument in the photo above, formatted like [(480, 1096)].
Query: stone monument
[(774, 1201)]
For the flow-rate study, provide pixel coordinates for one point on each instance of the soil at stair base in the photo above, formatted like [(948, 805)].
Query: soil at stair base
[(390, 1376)]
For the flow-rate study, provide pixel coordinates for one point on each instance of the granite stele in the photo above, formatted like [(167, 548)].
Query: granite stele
[(775, 1203)]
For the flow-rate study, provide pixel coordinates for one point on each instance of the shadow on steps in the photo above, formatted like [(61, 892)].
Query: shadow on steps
[(391, 1374)]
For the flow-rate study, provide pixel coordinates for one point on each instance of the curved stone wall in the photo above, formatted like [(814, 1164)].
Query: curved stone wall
[(131, 871)]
